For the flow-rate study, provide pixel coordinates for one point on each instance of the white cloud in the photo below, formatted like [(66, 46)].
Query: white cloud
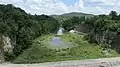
[(104, 6), (107, 2), (79, 4), (58, 7)]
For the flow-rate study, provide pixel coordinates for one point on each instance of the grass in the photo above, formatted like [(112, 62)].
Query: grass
[(41, 51)]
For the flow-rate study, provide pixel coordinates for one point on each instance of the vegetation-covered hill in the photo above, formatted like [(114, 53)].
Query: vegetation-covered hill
[(74, 14), (103, 29), (66, 16), (77, 14), (25, 30), (22, 28), (81, 49)]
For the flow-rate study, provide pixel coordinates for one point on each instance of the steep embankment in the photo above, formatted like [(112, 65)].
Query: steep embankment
[(77, 48)]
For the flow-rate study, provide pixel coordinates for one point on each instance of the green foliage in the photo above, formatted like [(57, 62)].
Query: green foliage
[(67, 16), (22, 28), (82, 49), (114, 15), (35, 54), (72, 22), (105, 29)]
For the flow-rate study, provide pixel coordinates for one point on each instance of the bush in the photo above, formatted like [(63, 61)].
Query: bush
[(81, 49)]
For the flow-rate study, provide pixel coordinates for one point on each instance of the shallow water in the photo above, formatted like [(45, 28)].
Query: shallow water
[(57, 42)]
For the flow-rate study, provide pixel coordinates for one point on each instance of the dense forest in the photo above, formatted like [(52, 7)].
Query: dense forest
[(23, 28), (103, 29)]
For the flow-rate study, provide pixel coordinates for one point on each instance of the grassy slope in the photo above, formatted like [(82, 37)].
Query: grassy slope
[(42, 52)]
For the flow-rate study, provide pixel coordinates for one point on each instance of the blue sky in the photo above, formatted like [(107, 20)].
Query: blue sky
[(65, 6)]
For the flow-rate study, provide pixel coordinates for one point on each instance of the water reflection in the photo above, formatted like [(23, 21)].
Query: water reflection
[(56, 40)]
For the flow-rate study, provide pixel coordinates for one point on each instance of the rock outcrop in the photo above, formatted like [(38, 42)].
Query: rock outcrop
[(5, 46)]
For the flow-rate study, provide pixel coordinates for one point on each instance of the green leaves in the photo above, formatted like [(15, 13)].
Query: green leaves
[(4, 29), (22, 28), (72, 22), (41, 52)]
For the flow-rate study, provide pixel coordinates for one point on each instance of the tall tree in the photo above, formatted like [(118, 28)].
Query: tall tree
[(113, 14)]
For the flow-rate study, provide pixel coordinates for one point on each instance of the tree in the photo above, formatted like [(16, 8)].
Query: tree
[(72, 22), (113, 14), (22, 28)]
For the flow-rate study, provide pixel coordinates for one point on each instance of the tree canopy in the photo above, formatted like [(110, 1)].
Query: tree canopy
[(22, 28)]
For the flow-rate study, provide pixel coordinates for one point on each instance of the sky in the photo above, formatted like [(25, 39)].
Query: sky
[(50, 7)]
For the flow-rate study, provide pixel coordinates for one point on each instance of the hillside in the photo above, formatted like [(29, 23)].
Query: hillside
[(66, 16), (75, 48), (21, 28), (74, 14), (77, 14), (31, 37)]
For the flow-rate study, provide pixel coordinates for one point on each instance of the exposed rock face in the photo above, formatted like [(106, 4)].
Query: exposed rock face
[(5, 46)]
